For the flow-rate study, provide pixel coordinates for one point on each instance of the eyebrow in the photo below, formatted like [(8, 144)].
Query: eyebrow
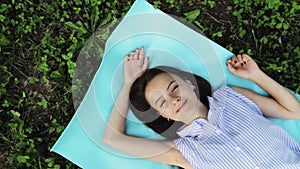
[(173, 81), (158, 99)]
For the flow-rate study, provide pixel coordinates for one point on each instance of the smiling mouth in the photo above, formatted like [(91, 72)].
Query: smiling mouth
[(180, 107)]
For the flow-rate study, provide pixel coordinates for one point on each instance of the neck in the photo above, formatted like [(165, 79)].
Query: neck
[(202, 112)]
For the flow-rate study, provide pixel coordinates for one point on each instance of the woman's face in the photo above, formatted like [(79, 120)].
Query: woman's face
[(172, 97)]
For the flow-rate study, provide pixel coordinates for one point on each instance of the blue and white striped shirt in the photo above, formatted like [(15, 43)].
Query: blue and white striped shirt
[(236, 135)]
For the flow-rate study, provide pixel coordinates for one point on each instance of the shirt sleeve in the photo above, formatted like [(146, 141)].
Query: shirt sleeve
[(245, 100)]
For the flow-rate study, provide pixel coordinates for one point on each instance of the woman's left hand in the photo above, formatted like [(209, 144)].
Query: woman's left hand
[(243, 66)]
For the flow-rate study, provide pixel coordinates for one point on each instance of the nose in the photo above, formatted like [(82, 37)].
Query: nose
[(176, 101)]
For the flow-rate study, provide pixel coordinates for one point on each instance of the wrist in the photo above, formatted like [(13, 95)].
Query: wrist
[(127, 85), (258, 76)]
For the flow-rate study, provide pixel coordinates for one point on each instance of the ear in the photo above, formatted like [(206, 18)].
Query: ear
[(162, 115), (189, 83)]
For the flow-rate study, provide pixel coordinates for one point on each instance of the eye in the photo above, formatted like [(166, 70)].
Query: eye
[(162, 103), (174, 88)]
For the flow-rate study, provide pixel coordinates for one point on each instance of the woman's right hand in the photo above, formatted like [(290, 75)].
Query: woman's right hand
[(135, 65)]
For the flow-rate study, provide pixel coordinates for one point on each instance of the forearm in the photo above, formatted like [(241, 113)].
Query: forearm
[(277, 91), (117, 119), (160, 151)]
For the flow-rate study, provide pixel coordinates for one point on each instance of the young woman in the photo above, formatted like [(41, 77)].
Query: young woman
[(224, 130)]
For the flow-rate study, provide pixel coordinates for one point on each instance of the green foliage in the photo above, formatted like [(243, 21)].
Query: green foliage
[(192, 15), (270, 28), (39, 45), (40, 42)]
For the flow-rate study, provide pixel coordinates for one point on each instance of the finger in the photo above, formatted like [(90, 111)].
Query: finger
[(136, 54), (131, 55), (141, 54), (229, 62), (146, 63), (234, 60), (231, 69), (246, 58), (126, 58), (240, 60)]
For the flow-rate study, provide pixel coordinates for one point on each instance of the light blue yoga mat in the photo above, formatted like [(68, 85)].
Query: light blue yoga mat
[(168, 43)]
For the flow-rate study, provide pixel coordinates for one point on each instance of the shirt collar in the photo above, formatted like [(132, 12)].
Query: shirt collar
[(193, 129), (202, 127)]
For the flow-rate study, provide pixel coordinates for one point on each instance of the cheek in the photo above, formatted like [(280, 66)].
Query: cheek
[(187, 92), (166, 112), (160, 110), (192, 100)]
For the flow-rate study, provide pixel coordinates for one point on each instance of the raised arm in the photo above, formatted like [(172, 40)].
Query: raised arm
[(134, 66), (282, 104), (160, 151)]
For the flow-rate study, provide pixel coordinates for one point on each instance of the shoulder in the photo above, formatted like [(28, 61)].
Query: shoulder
[(243, 95), (230, 94), (225, 90)]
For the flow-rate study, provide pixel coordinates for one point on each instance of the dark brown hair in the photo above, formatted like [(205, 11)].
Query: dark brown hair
[(148, 115)]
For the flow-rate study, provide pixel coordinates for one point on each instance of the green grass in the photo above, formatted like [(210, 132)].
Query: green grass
[(41, 40)]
